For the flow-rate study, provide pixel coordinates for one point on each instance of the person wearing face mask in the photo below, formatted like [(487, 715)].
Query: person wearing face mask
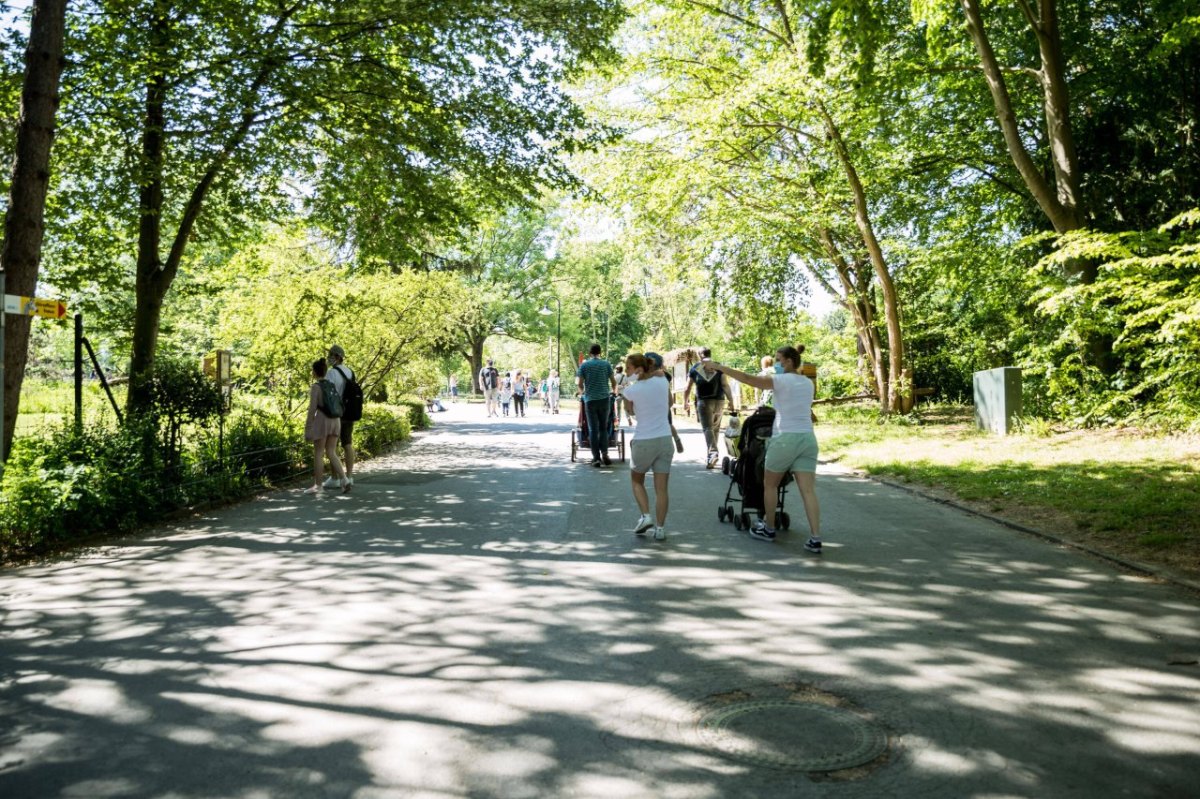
[(647, 398), (793, 444)]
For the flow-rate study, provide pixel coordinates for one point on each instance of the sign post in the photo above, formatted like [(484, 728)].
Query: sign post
[(22, 306)]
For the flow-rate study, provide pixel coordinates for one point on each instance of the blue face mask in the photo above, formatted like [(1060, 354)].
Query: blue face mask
[(779, 369)]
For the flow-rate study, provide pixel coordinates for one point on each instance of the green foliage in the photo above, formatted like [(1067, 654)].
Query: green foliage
[(180, 394), (68, 487), (286, 304), (62, 488), (1147, 298), (381, 428), (260, 448)]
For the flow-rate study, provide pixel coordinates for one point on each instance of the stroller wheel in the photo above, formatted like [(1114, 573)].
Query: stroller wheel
[(725, 464), (737, 522), (782, 520), (721, 513), (746, 523)]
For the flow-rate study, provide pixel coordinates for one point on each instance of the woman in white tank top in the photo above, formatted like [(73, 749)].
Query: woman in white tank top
[(793, 445)]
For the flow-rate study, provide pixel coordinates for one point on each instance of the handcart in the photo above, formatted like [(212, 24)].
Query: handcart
[(580, 440)]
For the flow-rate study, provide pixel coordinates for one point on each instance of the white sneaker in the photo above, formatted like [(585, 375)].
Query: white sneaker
[(644, 523), (331, 482), (660, 534)]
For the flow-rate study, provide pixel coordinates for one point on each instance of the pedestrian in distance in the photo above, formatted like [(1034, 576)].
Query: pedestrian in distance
[(655, 362), (454, 388), (519, 388), (342, 377), (793, 444), (322, 424), (712, 389), (553, 390), (596, 382), (647, 395), (489, 384), (506, 392), (622, 378)]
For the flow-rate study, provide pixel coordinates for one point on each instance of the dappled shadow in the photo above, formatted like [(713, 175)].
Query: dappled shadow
[(476, 620)]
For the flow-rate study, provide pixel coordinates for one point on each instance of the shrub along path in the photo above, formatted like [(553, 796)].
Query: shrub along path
[(476, 620)]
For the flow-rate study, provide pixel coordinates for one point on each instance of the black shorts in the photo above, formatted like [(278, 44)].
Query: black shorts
[(347, 432)]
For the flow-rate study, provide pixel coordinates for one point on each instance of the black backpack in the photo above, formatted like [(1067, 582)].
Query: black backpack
[(331, 401), (352, 397), (491, 375)]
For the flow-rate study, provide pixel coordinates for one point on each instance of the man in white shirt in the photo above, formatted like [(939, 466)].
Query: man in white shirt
[(647, 396)]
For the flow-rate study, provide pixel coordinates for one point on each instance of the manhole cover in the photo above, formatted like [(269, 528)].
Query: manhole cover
[(793, 735)]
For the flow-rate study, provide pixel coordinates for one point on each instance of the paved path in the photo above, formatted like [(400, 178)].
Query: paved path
[(476, 621)]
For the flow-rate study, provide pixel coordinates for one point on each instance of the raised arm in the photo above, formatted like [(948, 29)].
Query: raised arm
[(742, 377)]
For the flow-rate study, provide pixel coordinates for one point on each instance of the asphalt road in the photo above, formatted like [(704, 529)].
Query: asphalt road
[(476, 620)]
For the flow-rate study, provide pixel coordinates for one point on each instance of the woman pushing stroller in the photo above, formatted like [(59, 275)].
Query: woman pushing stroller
[(793, 444)]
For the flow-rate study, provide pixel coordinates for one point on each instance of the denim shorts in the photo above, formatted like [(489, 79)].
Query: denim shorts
[(792, 452)]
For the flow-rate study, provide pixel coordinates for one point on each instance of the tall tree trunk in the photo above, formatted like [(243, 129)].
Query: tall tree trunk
[(1060, 203), (475, 359), (24, 224), (155, 275), (150, 285), (855, 298), (891, 300)]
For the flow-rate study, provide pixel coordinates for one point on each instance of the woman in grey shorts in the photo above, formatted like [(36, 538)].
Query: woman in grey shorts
[(793, 444), (647, 398)]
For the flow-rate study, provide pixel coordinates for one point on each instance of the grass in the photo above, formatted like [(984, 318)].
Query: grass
[(1125, 492)]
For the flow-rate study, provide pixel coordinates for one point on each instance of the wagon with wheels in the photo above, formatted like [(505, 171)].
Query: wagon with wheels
[(581, 442)]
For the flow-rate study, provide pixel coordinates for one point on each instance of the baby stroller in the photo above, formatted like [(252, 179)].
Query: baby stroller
[(580, 440), (746, 475)]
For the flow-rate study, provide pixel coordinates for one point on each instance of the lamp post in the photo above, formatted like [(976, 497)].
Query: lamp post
[(545, 311)]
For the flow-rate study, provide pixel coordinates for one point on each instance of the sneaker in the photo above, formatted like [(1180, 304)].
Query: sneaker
[(813, 545), (331, 482), (644, 523), (660, 534), (347, 484), (762, 532), (596, 463), (607, 460)]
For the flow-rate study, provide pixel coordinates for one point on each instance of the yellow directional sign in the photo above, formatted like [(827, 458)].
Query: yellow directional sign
[(34, 306)]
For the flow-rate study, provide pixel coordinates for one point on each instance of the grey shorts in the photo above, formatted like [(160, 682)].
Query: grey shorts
[(652, 455)]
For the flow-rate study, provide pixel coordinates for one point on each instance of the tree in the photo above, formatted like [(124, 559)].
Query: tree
[(24, 227), (764, 136), (397, 120)]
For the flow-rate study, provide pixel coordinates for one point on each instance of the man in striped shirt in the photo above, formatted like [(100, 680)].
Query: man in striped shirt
[(597, 384)]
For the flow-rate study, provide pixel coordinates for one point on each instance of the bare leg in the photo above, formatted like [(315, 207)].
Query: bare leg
[(661, 499), (771, 482), (335, 463), (318, 462), (348, 451), (639, 491), (807, 483)]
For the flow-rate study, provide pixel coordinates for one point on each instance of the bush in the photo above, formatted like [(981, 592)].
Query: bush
[(70, 486), (260, 448), (418, 419), (67, 486), (382, 427)]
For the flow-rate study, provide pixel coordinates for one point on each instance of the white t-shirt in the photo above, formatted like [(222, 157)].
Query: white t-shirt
[(335, 377), (651, 401), (793, 403)]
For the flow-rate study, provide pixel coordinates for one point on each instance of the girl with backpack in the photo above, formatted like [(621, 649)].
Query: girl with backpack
[(323, 426)]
